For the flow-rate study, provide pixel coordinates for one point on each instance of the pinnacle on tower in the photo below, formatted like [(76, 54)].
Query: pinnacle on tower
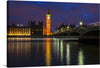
[(48, 11)]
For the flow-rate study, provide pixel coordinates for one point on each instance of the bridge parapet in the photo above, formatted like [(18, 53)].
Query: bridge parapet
[(92, 28), (86, 29), (80, 31)]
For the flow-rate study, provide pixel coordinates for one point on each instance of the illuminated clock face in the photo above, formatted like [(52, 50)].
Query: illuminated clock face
[(48, 17)]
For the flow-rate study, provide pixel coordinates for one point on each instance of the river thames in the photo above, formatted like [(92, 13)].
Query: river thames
[(50, 52)]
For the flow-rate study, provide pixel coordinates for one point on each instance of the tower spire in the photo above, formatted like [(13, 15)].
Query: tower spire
[(48, 11)]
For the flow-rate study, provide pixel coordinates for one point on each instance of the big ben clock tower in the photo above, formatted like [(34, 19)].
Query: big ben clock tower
[(48, 23)]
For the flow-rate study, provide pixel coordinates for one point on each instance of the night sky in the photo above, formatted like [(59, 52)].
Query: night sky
[(20, 12)]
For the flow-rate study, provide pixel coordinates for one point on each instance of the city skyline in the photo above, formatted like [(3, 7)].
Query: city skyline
[(61, 13), (52, 34)]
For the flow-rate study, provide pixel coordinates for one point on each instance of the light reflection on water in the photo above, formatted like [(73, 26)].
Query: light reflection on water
[(61, 51), (19, 48), (68, 54), (80, 57), (49, 51)]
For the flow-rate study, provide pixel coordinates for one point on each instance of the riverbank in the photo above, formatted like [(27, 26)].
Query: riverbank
[(67, 38), (44, 36)]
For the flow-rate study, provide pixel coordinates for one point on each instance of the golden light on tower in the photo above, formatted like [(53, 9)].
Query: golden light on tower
[(47, 30), (48, 23)]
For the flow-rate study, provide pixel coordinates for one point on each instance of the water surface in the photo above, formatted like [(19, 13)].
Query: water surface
[(50, 52)]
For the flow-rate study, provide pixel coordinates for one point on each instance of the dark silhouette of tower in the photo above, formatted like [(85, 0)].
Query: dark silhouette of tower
[(36, 30)]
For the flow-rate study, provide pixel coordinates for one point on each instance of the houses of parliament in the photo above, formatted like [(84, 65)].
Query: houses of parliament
[(32, 29)]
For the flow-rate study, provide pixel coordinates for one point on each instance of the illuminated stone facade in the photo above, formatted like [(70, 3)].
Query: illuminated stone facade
[(18, 31), (47, 30), (32, 29)]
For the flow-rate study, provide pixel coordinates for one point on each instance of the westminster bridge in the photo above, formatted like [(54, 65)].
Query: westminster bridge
[(85, 32)]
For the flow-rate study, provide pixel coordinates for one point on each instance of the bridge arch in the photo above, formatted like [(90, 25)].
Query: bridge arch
[(89, 29), (91, 33), (74, 34)]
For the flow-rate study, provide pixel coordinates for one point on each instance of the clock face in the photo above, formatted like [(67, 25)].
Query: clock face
[(48, 17)]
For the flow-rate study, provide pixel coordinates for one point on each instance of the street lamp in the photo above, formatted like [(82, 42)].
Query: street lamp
[(81, 23)]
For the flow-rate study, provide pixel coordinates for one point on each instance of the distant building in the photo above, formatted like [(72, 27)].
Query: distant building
[(94, 24)]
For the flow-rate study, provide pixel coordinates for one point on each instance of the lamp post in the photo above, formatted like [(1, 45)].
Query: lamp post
[(81, 23)]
